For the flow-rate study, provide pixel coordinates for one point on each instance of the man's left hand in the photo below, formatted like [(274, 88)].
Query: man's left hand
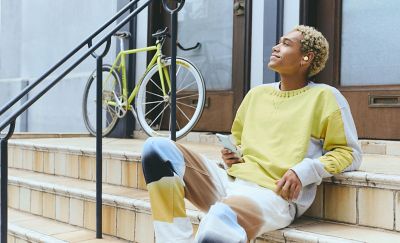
[(289, 186)]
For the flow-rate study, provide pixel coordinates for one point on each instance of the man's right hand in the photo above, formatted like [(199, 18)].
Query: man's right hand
[(230, 157)]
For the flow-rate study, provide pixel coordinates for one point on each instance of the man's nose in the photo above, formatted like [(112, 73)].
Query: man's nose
[(275, 48)]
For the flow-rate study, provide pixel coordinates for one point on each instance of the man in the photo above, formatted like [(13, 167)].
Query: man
[(292, 134)]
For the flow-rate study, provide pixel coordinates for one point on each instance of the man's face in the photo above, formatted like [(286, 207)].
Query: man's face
[(286, 55)]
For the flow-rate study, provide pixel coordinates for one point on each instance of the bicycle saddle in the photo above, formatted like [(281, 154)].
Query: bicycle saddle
[(122, 34), (161, 33)]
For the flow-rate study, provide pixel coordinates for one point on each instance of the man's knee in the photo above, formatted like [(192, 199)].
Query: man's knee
[(158, 156)]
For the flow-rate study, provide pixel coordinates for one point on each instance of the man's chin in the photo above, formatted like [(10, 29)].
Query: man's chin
[(272, 66)]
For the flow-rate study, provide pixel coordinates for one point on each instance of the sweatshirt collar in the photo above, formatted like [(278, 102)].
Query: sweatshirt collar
[(277, 92)]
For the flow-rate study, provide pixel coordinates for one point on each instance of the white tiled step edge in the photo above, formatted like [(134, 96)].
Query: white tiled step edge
[(303, 231), (27, 235), (24, 227)]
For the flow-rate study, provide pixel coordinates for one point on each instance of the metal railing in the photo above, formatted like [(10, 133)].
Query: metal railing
[(10, 120)]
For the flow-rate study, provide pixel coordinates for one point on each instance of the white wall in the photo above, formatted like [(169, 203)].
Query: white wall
[(291, 19), (257, 66), (291, 14), (37, 34), (141, 41)]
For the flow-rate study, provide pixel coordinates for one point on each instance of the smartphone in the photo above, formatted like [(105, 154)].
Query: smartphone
[(228, 144)]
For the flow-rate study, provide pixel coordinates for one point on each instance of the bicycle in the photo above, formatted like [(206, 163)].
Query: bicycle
[(152, 106)]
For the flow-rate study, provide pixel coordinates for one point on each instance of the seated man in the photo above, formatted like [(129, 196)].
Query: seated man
[(292, 135)]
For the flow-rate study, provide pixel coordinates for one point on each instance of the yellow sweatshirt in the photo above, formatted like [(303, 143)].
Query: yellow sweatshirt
[(309, 130)]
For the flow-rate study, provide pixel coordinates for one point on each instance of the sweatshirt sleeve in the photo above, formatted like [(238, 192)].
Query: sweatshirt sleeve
[(342, 151)]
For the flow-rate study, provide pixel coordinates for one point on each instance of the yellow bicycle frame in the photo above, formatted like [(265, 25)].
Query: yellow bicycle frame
[(120, 65)]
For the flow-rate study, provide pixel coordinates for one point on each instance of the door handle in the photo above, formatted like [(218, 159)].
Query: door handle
[(239, 7)]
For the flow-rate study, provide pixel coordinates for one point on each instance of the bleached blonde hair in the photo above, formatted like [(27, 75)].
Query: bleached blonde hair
[(314, 41)]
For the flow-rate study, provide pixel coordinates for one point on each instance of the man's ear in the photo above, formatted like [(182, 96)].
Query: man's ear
[(307, 59)]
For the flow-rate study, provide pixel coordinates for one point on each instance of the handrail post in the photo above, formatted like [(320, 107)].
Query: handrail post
[(99, 147), (174, 25), (99, 141), (4, 183)]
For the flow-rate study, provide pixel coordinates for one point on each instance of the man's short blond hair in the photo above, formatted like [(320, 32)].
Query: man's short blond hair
[(314, 41)]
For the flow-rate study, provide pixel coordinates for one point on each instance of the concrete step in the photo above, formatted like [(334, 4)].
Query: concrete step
[(75, 157), (25, 227), (351, 197), (127, 214)]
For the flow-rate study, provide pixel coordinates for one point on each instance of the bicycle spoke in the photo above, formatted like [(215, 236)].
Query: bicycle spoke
[(162, 116), (177, 123), (194, 107), (106, 120), (186, 86), (153, 102), (156, 84), (155, 119), (155, 94), (184, 97), (169, 123), (152, 109), (179, 69), (183, 113), (184, 79)]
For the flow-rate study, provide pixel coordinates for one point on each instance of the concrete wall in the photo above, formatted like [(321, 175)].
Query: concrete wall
[(264, 16), (37, 34)]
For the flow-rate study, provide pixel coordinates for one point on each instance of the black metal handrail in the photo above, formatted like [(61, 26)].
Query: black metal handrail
[(10, 120)]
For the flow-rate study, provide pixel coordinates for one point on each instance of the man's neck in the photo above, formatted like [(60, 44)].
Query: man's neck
[(292, 82)]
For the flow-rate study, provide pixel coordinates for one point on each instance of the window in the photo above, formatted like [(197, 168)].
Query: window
[(370, 51)]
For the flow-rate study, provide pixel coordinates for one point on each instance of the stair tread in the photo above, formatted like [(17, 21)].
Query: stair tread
[(31, 226), (306, 228), (303, 228)]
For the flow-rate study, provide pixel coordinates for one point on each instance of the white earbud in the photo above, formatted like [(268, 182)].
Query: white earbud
[(305, 58)]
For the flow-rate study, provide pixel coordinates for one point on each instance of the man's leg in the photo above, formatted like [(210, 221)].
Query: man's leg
[(173, 172), (258, 209)]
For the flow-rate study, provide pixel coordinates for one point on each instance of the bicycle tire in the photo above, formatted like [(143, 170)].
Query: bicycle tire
[(110, 119), (153, 125)]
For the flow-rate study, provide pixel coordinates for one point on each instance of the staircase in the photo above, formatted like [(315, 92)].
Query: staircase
[(52, 194)]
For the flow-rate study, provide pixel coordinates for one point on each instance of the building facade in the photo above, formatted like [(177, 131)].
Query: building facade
[(236, 38)]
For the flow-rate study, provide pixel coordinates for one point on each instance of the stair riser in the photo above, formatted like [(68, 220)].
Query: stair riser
[(117, 170), (367, 206), (11, 238)]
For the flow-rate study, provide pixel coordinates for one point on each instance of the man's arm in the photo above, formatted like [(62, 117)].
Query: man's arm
[(343, 151)]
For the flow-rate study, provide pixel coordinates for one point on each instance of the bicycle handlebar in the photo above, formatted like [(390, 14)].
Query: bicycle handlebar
[(198, 45)]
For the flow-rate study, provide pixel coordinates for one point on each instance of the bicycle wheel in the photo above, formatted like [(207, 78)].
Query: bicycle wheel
[(153, 107), (111, 89)]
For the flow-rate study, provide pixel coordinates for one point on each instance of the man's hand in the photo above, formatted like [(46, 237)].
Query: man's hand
[(229, 157), (289, 186)]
